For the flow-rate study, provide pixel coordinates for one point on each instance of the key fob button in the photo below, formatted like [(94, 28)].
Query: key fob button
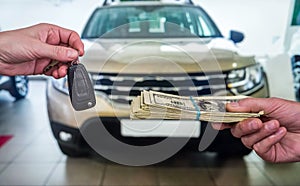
[(81, 90)]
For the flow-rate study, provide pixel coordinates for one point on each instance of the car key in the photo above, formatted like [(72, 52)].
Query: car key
[(81, 90), (52, 64)]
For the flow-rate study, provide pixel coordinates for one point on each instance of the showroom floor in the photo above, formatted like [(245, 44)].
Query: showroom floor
[(32, 157)]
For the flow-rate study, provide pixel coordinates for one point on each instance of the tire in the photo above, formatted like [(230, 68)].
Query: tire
[(72, 151), (19, 87), (296, 75)]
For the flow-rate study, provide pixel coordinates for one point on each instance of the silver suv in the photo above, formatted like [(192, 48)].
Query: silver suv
[(167, 47)]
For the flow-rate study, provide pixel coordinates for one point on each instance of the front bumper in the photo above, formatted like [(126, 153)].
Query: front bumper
[(63, 118), (223, 142)]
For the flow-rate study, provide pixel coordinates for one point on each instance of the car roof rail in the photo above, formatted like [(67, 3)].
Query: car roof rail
[(190, 2), (109, 2)]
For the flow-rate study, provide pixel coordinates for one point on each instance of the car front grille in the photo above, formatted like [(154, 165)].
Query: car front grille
[(122, 88)]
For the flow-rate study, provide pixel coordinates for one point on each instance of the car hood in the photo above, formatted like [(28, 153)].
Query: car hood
[(144, 56)]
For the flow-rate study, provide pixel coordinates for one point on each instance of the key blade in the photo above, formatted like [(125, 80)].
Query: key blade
[(52, 64)]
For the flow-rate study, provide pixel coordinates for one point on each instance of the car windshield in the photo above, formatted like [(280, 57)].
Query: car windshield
[(150, 22)]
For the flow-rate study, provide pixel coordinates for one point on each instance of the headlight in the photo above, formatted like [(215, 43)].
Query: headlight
[(61, 85), (246, 80)]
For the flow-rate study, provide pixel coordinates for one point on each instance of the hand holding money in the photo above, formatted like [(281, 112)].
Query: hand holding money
[(157, 105)]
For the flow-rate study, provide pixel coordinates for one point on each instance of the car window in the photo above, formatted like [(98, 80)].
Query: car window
[(150, 22)]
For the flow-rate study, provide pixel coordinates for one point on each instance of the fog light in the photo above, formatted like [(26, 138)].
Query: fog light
[(65, 136)]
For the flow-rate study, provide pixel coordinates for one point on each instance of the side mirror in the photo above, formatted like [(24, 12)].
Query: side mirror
[(236, 36)]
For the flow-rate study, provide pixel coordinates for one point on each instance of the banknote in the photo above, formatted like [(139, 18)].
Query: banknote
[(158, 105)]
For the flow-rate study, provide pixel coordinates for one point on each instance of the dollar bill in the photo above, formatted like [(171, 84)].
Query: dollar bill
[(157, 105)]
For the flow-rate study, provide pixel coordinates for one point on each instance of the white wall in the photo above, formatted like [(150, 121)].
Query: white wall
[(262, 21), (71, 14)]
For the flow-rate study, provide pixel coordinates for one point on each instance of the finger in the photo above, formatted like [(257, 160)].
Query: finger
[(60, 53), (220, 126), (40, 66), (76, 43), (62, 71), (63, 35), (55, 74), (247, 126), (266, 144), (249, 105), (50, 71), (268, 128), (72, 38)]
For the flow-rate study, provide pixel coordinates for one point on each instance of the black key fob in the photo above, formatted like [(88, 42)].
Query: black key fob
[(81, 90)]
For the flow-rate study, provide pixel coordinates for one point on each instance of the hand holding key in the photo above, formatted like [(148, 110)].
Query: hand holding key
[(29, 50)]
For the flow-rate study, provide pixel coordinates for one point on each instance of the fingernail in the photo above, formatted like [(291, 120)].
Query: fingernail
[(234, 104), (72, 54), (280, 131), (254, 125), (256, 146), (271, 126)]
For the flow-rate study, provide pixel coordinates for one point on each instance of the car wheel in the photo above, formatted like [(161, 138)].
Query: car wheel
[(72, 151), (19, 88), (296, 75)]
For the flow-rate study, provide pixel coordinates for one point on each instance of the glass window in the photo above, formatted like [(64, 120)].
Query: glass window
[(150, 22), (205, 31), (296, 13)]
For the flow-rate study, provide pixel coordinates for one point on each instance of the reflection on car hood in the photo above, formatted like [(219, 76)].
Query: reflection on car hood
[(150, 56)]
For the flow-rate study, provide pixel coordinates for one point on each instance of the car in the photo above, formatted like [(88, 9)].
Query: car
[(171, 47), (17, 86), (291, 45)]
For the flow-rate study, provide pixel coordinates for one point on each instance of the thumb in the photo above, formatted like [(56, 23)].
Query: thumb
[(60, 53), (249, 105)]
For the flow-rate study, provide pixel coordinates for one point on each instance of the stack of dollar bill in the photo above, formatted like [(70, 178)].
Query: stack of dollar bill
[(157, 105)]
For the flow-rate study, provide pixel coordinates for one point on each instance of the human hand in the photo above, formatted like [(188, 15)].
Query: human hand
[(29, 50), (275, 137)]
